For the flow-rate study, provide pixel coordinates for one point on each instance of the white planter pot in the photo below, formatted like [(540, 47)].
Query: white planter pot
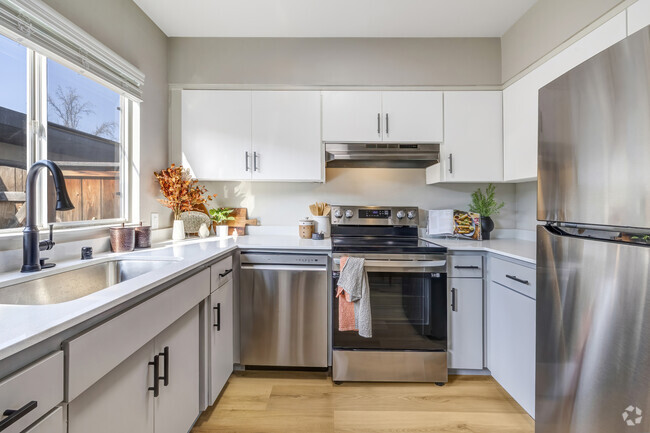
[(221, 231), (178, 231)]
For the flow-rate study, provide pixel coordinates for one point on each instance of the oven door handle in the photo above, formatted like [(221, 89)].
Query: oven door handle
[(401, 263)]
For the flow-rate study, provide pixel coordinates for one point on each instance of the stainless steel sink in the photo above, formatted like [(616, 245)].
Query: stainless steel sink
[(77, 283)]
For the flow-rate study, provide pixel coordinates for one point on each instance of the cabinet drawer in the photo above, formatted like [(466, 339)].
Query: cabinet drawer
[(221, 273), (53, 423), (465, 266), (93, 354), (41, 382), (516, 277)]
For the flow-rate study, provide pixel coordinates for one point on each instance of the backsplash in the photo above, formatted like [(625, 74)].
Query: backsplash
[(282, 203)]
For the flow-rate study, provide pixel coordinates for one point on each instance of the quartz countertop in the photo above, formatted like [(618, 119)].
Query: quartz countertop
[(519, 249), (22, 326)]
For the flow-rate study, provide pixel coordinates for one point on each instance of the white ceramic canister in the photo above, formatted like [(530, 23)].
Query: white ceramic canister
[(323, 225)]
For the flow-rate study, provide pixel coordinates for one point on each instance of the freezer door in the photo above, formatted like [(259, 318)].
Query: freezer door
[(594, 139), (593, 336)]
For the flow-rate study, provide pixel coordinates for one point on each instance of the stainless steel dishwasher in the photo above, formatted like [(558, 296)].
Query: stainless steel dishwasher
[(283, 310)]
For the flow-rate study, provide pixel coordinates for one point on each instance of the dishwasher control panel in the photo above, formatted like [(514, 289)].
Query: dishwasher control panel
[(283, 259)]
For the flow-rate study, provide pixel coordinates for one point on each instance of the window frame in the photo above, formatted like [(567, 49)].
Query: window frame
[(36, 138)]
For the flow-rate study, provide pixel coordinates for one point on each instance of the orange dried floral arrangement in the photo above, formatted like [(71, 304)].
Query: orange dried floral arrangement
[(182, 193)]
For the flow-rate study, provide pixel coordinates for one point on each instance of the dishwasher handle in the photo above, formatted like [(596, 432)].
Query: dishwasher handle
[(299, 268)]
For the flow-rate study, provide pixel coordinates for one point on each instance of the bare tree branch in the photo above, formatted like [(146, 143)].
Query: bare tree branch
[(107, 130), (69, 106)]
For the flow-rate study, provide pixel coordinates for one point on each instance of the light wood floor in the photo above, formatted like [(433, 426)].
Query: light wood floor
[(308, 402)]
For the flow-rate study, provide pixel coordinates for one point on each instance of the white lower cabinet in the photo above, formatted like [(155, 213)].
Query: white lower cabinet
[(221, 339), (124, 400), (118, 402), (52, 423), (511, 343), (465, 347)]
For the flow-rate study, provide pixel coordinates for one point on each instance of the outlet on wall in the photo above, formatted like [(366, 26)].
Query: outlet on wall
[(154, 220)]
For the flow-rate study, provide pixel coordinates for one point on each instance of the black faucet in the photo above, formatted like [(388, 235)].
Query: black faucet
[(31, 244)]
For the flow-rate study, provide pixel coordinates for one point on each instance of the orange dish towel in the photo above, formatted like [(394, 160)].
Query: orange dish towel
[(346, 306)]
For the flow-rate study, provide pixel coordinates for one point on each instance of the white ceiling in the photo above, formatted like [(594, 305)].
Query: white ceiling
[(335, 18)]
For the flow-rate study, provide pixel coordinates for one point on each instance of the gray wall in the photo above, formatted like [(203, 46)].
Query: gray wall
[(282, 204), (526, 205), (124, 28), (544, 27), (335, 61)]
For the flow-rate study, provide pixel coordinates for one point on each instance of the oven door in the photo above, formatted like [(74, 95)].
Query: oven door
[(408, 300)]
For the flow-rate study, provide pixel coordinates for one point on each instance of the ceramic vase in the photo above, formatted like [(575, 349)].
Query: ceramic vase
[(178, 231), (221, 231), (487, 225)]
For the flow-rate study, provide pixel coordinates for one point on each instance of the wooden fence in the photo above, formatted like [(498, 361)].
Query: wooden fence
[(95, 195)]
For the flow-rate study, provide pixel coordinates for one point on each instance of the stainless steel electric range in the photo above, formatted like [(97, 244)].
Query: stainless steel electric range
[(408, 296)]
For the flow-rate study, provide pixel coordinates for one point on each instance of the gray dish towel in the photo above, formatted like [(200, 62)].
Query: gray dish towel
[(354, 281)]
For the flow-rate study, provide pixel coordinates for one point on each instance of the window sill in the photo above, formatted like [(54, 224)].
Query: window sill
[(12, 239)]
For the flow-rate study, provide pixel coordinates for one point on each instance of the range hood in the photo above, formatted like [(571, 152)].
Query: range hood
[(382, 155)]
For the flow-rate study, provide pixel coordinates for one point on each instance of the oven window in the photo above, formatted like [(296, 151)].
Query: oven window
[(409, 312)]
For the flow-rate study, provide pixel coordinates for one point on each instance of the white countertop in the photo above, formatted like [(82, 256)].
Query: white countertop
[(519, 249), (22, 326)]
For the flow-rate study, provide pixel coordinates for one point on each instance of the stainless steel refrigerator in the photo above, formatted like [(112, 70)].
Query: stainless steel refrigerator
[(593, 249)]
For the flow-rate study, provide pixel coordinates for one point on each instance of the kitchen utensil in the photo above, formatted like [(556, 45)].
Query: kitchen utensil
[(143, 236), (322, 225), (305, 228), (326, 210), (240, 222), (122, 239), (314, 209)]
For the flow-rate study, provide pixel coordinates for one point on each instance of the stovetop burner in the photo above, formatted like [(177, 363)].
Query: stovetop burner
[(380, 230), (385, 245)]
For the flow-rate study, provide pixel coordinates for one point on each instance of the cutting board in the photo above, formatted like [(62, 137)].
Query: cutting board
[(240, 222)]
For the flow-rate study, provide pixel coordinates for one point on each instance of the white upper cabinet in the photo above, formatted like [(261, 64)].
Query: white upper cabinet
[(638, 16), (286, 136), (472, 150), (352, 116), (216, 133), (520, 100), (412, 116), (391, 116)]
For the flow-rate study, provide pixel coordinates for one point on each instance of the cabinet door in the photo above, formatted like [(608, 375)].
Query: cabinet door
[(473, 147), (352, 116), (177, 406), (221, 343), (465, 348), (412, 116), (287, 136), (216, 133), (118, 402), (520, 100), (52, 423), (520, 130), (638, 16), (511, 343)]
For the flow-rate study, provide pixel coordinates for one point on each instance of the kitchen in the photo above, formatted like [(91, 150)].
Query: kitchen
[(397, 111)]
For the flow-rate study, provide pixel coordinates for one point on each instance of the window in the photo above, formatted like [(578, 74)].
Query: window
[(83, 138), (13, 132), (83, 132)]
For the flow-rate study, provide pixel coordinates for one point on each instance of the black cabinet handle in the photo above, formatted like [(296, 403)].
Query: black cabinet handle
[(165, 376), (454, 305), (14, 415), (225, 273), (466, 267), (218, 309), (156, 375), (519, 280)]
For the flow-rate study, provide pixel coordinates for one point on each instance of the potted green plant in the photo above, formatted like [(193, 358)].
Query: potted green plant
[(486, 206), (221, 216)]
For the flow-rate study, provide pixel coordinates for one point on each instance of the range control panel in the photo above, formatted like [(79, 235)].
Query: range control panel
[(375, 215)]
